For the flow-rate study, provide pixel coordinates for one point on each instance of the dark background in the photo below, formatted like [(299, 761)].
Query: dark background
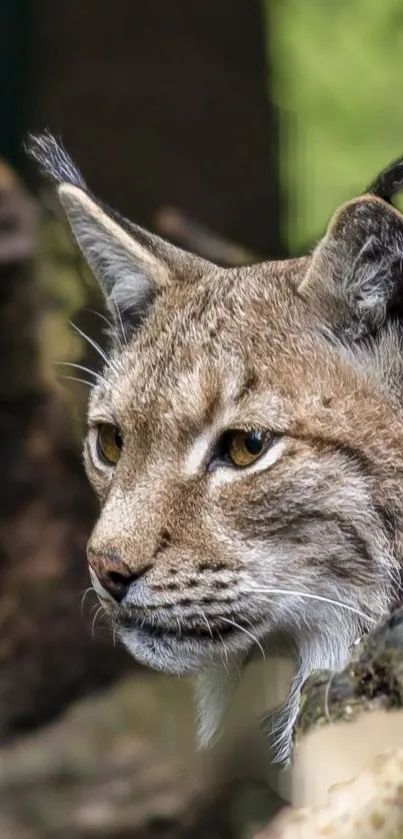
[(158, 103), (234, 127)]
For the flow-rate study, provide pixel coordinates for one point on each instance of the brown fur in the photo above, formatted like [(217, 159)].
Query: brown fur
[(225, 561)]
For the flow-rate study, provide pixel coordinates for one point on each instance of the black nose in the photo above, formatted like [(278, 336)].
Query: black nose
[(113, 574)]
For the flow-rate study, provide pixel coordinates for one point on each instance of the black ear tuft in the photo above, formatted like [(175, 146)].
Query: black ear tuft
[(53, 160), (131, 265), (389, 182)]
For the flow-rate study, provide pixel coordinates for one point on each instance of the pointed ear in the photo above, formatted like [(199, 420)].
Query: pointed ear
[(356, 272), (129, 272), (131, 265)]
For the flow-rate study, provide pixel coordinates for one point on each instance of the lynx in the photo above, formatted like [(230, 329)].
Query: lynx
[(245, 442)]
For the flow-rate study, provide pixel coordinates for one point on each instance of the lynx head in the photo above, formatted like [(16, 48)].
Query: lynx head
[(244, 440)]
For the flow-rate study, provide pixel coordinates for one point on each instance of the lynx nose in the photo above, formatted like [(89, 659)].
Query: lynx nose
[(113, 574)]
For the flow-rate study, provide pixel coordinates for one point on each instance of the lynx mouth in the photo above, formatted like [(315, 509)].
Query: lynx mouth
[(175, 642), (181, 651), (182, 632), (194, 627), (184, 649)]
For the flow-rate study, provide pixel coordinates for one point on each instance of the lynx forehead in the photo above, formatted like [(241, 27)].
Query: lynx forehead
[(244, 439)]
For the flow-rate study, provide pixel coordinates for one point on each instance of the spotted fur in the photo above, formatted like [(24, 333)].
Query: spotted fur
[(302, 551)]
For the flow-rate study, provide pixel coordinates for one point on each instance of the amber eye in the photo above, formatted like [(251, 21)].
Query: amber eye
[(109, 443), (242, 448)]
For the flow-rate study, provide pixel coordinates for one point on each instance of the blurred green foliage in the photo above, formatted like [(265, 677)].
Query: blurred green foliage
[(337, 69)]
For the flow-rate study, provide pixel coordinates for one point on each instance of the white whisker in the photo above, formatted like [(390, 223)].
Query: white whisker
[(249, 634), (103, 317), (83, 368), (95, 346), (119, 316), (205, 619), (226, 662), (318, 597), (84, 597), (76, 379), (99, 610), (395, 578)]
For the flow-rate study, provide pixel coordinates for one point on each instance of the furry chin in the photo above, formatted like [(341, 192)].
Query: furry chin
[(166, 653), (214, 684)]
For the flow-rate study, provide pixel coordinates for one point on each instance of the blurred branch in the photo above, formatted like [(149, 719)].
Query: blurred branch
[(369, 806), (189, 234), (372, 679), (347, 767)]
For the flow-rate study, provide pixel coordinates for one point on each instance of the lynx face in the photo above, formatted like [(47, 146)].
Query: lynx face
[(244, 440)]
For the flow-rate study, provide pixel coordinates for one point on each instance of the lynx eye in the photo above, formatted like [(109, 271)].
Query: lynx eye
[(109, 443), (242, 448)]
